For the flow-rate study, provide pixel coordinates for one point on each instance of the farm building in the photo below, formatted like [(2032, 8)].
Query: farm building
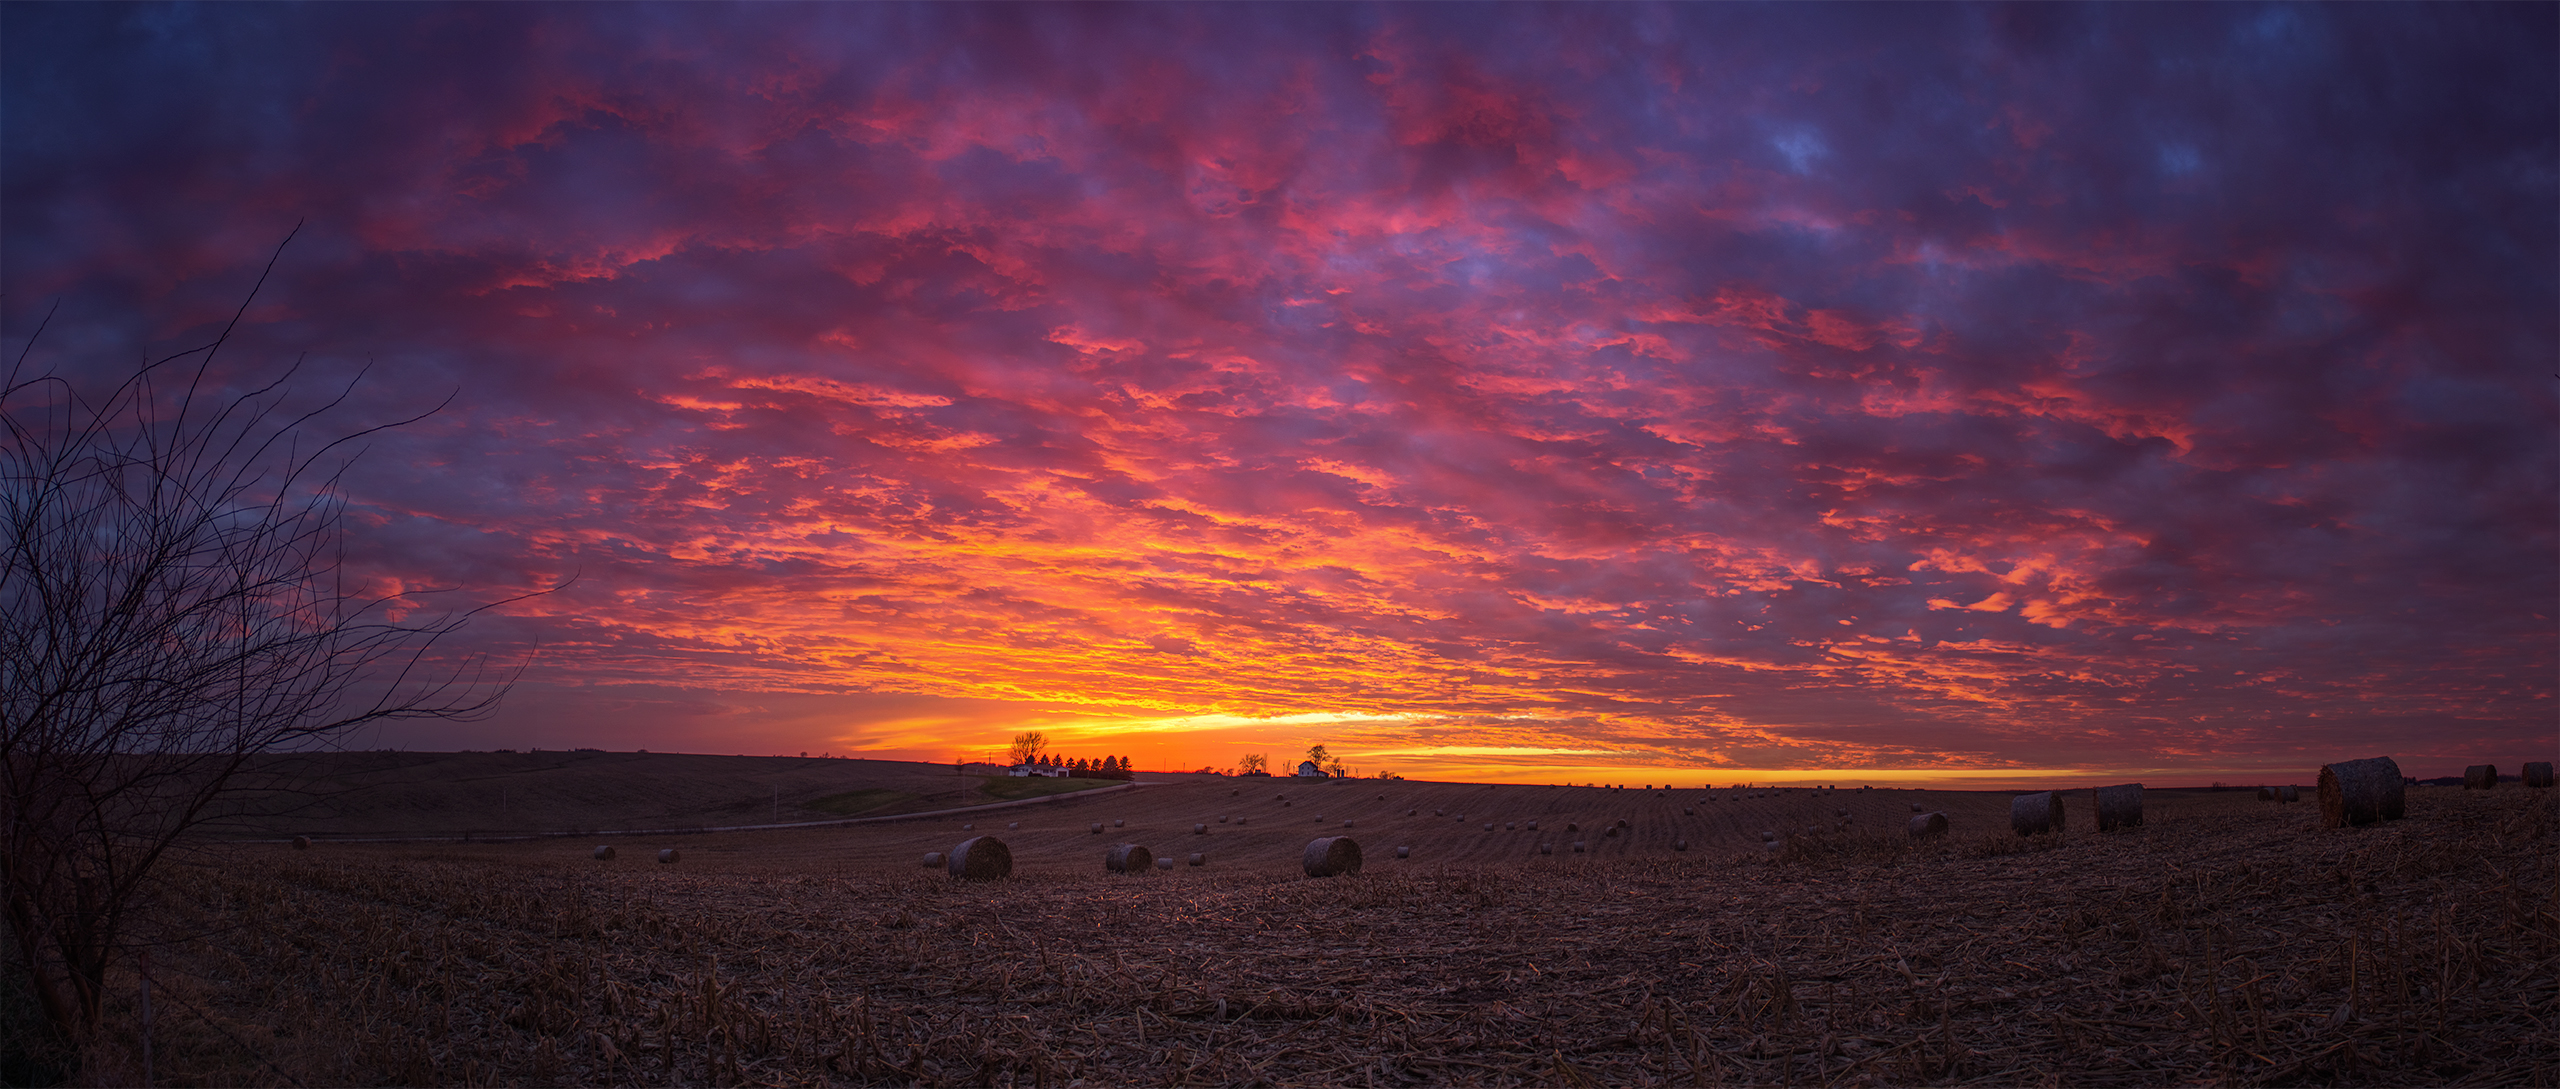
[(1050, 771), (1307, 769)]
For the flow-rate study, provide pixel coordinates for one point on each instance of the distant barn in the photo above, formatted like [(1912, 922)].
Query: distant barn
[(1307, 769)]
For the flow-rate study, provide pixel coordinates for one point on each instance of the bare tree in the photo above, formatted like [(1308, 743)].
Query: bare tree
[(1254, 761), (174, 602), (1028, 746)]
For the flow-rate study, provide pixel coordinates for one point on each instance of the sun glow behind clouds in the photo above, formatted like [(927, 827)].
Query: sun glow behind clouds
[(1605, 393)]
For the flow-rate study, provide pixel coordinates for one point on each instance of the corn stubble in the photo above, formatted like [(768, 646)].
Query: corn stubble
[(2230, 943)]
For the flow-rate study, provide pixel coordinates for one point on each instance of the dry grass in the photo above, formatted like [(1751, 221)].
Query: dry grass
[(2221, 941)]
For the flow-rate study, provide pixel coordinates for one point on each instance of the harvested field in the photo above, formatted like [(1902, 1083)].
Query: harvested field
[(2221, 940)]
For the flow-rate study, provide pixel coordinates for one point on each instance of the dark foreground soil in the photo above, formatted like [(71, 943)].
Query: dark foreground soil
[(2225, 941)]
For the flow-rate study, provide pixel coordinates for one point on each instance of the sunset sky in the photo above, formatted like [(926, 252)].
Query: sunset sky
[(1689, 394)]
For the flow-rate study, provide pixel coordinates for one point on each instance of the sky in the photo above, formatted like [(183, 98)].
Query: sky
[(1701, 394)]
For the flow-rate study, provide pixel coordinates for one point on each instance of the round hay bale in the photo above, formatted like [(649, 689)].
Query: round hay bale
[(2266, 794), (1015, 826), (2036, 814), (1610, 832), (1319, 818), (1772, 846), (1546, 848), (1533, 826), (1222, 820), (302, 843), (1332, 855), (1679, 845), (2118, 806), (1510, 826), (1915, 807), (1346, 824), (1624, 823), (1928, 824), (1579, 847), (1119, 822), (1239, 820), (1411, 812), (1570, 826), (1198, 859), (1404, 852), (2288, 793), (604, 853), (2480, 777), (932, 859), (980, 858), (2360, 792), (1439, 812), (1767, 836), (968, 828), (1462, 818), (1687, 812), (1488, 826), (1284, 805), (1165, 863), (1199, 829), (2538, 775), (1097, 828), (1128, 858), (669, 856), (1279, 797)]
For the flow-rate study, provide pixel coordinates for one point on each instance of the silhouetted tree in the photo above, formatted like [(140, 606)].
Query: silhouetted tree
[(1028, 746), (173, 603)]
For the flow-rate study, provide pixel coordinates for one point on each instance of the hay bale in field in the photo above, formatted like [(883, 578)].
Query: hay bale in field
[(2288, 793), (1119, 822), (1546, 848), (2118, 806), (1462, 818), (2036, 814), (1404, 852), (1239, 820), (1579, 847), (1439, 812), (1533, 826), (1571, 826), (1624, 823), (1768, 836), (1128, 858), (302, 843), (2538, 774), (1915, 807), (2266, 794), (1198, 859), (2480, 777), (932, 859), (1346, 824), (1510, 826), (1222, 820), (1284, 805), (669, 856), (968, 828), (1097, 828), (1488, 826), (1928, 824), (1199, 829), (1014, 826), (1610, 832), (2360, 792), (980, 858), (1686, 812), (1165, 863), (1679, 845), (1411, 812), (1331, 856), (604, 853)]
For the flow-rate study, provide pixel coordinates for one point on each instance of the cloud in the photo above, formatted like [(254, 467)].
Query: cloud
[(1716, 386)]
